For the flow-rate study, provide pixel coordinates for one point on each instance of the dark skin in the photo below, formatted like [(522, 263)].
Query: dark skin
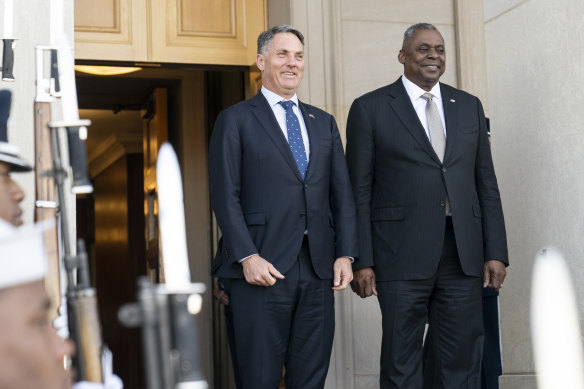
[(424, 60)]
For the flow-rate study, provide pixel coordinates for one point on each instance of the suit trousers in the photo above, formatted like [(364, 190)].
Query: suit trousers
[(290, 324), (492, 365), (451, 302)]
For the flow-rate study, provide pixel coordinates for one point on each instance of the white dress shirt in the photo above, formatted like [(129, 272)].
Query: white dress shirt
[(280, 113), (415, 93)]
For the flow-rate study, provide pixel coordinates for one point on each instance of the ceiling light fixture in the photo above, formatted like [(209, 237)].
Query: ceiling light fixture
[(106, 70)]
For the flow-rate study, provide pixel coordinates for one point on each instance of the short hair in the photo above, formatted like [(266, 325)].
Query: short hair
[(266, 37), (409, 34)]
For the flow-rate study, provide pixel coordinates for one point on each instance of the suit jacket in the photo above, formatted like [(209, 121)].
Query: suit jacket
[(400, 185), (258, 196)]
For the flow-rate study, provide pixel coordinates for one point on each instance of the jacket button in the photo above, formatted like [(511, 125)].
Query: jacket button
[(443, 170), (305, 186), (443, 203)]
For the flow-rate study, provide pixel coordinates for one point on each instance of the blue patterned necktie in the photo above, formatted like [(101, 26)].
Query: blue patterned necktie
[(295, 137)]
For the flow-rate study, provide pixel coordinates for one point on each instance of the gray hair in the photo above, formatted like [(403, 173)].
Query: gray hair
[(409, 34), (266, 37)]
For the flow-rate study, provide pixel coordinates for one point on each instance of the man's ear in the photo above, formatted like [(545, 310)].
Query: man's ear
[(260, 61), (400, 56)]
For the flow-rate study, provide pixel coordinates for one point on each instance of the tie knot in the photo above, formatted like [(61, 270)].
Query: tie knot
[(427, 96), (287, 104)]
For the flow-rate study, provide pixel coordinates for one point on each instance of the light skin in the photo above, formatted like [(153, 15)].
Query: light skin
[(282, 65), (31, 353), (424, 60), (10, 197), (282, 68)]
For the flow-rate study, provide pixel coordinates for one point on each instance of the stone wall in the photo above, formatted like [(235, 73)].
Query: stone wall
[(31, 29), (534, 57), (351, 48)]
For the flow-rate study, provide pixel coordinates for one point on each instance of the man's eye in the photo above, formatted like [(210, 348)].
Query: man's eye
[(423, 49), (300, 57)]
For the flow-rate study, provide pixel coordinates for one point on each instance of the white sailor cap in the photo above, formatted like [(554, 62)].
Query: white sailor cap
[(9, 153), (23, 257)]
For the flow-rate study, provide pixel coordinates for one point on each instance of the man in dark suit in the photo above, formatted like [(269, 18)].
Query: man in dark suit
[(429, 216), (282, 197)]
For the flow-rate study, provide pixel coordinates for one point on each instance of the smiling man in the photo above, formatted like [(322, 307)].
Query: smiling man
[(429, 215), (281, 193)]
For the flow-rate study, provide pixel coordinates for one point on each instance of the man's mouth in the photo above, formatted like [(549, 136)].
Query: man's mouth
[(431, 67)]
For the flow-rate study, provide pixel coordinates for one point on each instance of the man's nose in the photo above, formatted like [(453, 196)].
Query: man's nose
[(433, 53), (291, 61), (17, 192)]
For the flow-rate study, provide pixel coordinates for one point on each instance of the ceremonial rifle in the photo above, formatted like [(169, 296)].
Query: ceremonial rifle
[(83, 322), (167, 312), (8, 41)]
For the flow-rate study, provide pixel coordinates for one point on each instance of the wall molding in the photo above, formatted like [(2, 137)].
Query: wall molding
[(113, 148)]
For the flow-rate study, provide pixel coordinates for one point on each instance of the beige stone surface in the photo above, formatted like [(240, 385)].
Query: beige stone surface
[(351, 48), (366, 335), (535, 72), (370, 52), (367, 382), (518, 381), (438, 12), (496, 8), (31, 29)]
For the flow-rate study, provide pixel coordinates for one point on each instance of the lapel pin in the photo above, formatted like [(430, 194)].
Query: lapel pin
[(452, 101), (311, 115)]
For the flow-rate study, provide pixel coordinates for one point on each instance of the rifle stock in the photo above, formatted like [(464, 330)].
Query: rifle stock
[(84, 326), (90, 334), (46, 205)]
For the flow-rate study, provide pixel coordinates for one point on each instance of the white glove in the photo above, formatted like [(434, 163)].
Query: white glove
[(88, 385), (111, 382)]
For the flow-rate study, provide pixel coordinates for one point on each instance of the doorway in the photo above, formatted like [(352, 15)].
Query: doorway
[(115, 219)]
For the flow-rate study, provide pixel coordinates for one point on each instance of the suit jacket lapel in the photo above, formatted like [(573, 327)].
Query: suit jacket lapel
[(263, 112), (450, 117), (402, 105), (310, 122)]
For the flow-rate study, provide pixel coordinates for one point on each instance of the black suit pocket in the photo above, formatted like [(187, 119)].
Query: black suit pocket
[(387, 214), (255, 218), (470, 129)]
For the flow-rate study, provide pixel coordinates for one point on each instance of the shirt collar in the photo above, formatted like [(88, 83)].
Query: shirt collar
[(274, 98), (415, 92)]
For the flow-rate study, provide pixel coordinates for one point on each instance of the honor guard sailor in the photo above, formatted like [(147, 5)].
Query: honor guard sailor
[(32, 355), (10, 162)]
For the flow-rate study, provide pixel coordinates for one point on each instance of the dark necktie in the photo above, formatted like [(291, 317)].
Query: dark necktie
[(295, 137)]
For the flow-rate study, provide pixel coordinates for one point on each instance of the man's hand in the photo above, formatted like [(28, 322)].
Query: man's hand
[(258, 271), (364, 282), (343, 273), (494, 275), (221, 295)]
